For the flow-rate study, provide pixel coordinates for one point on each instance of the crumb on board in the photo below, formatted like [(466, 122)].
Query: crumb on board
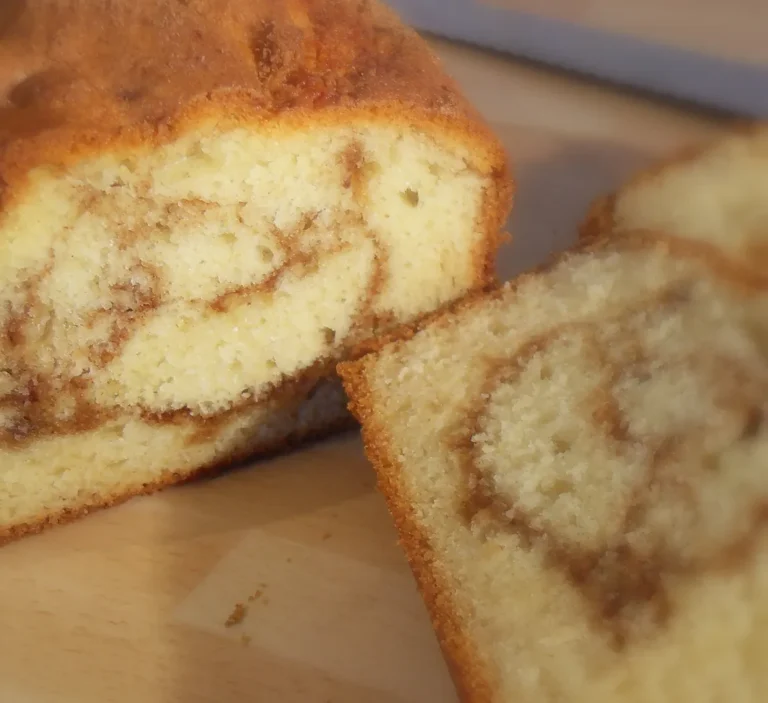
[(255, 595), (237, 615), (326, 535), (245, 639)]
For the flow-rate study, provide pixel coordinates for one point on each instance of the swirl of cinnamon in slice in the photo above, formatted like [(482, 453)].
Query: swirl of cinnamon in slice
[(628, 452)]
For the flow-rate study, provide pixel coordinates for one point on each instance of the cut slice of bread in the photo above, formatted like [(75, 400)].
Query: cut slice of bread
[(715, 194), (577, 468), (204, 205)]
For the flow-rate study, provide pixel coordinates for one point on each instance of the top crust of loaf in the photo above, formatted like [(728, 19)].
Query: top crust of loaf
[(78, 77)]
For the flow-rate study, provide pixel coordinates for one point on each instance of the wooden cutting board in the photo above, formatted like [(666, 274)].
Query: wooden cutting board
[(132, 604)]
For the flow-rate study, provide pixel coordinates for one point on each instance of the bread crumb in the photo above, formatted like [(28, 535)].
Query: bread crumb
[(237, 615), (326, 535), (255, 595), (245, 639)]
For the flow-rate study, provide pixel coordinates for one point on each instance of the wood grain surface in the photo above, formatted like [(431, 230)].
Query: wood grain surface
[(131, 605)]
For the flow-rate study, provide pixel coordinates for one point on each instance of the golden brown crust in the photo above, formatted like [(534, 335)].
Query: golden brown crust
[(79, 77), (297, 437), (473, 680)]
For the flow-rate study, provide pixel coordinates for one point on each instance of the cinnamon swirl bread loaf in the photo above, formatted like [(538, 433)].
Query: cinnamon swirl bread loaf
[(577, 465), (713, 194), (204, 204)]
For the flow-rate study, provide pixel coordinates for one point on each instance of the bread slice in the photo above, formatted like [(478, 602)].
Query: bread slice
[(204, 204), (576, 464), (713, 194)]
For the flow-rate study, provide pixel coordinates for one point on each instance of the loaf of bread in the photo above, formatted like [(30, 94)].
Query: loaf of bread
[(204, 204), (576, 464), (712, 194)]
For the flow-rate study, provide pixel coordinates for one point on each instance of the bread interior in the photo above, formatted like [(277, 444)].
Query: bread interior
[(148, 292), (584, 455)]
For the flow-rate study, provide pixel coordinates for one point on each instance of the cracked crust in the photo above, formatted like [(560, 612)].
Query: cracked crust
[(70, 88)]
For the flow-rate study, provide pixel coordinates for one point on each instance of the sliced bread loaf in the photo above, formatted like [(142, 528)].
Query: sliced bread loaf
[(715, 194), (576, 465), (204, 205)]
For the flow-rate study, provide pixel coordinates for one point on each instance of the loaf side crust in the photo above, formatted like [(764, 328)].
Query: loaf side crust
[(471, 677)]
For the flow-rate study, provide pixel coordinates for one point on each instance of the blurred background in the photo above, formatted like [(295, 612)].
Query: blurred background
[(707, 52)]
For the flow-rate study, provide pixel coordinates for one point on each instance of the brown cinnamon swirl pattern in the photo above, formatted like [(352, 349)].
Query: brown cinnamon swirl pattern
[(165, 318), (192, 233), (63, 376), (576, 465), (630, 452)]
